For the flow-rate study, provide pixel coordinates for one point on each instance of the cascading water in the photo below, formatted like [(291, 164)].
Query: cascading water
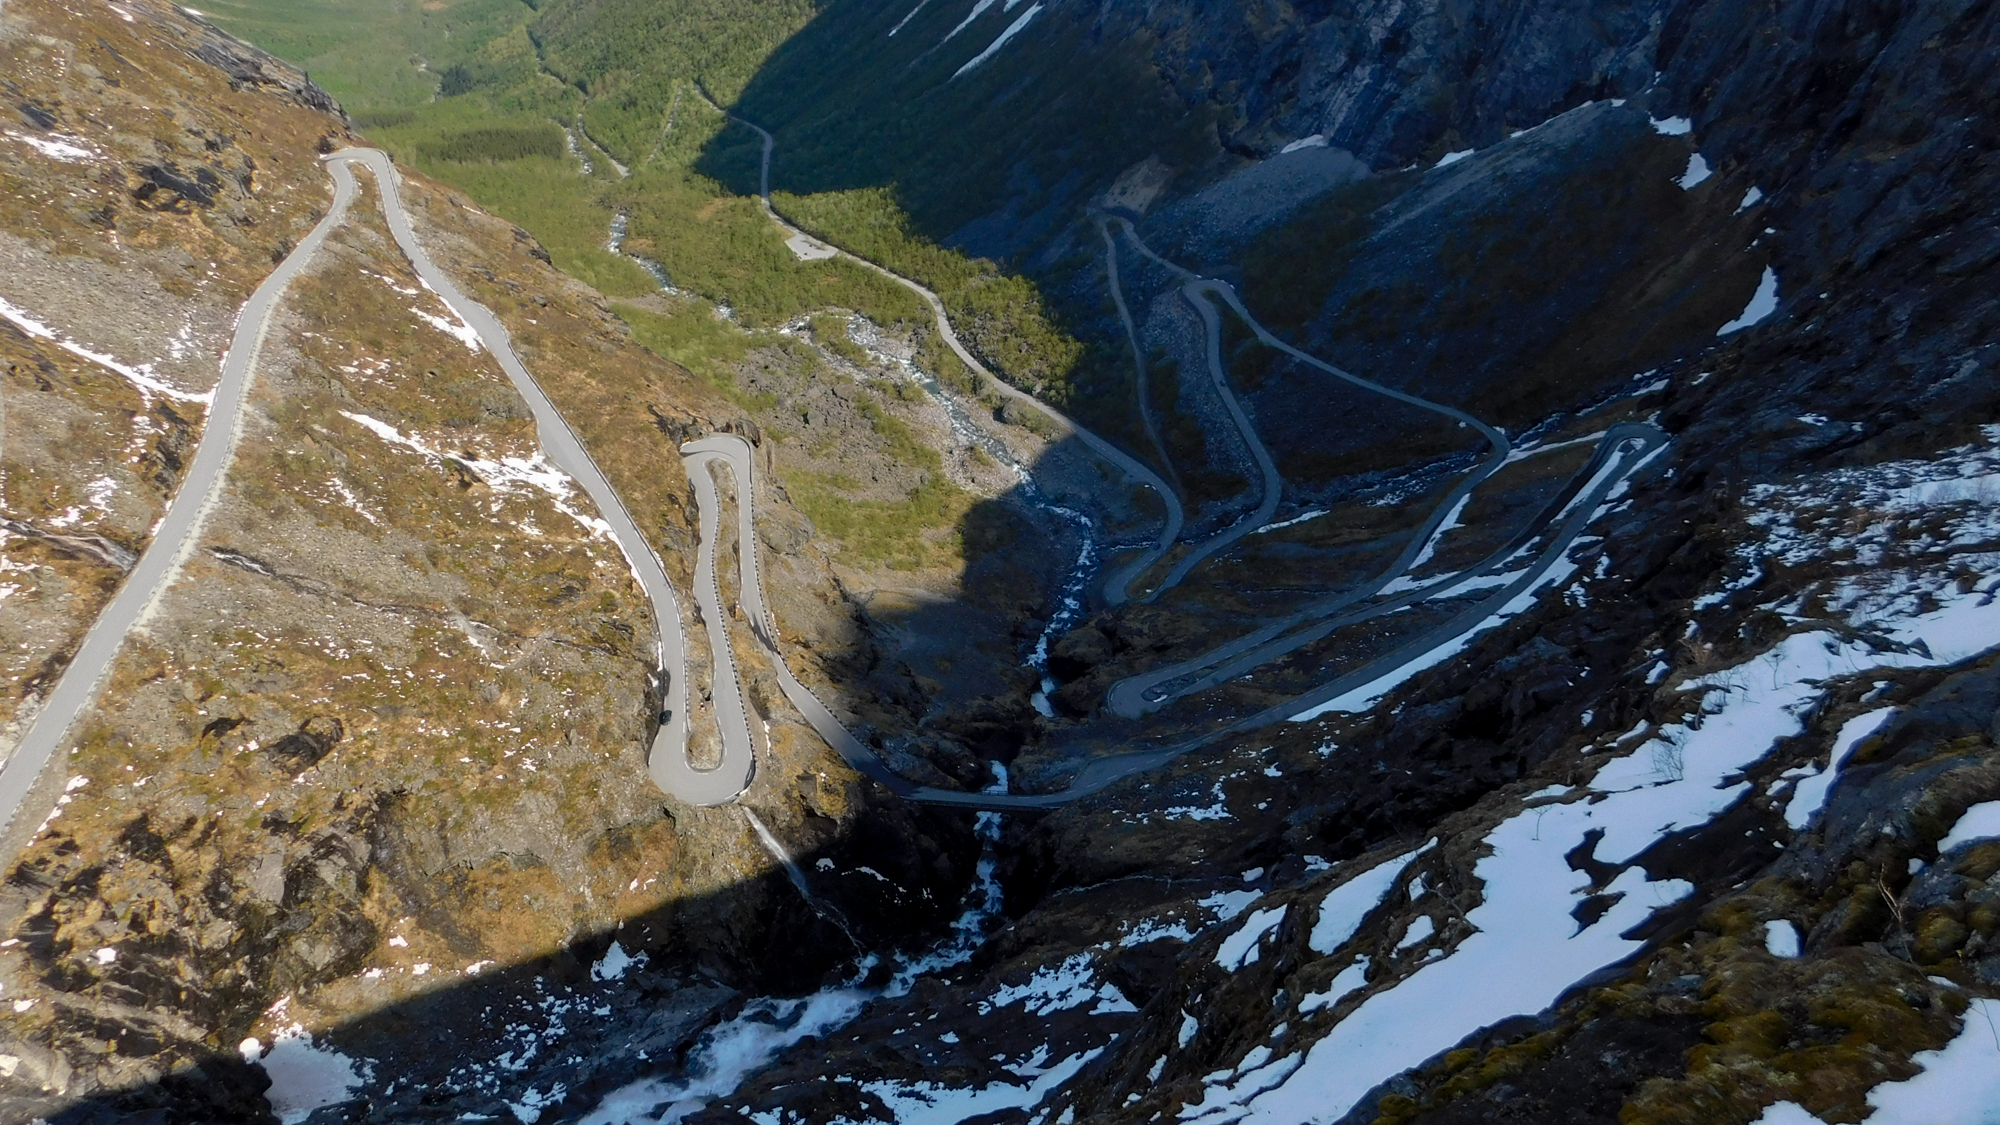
[(778, 852), (1070, 598), (576, 150), (620, 223), (765, 1028)]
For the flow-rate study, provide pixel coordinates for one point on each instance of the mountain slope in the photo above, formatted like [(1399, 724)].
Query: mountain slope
[(1696, 827)]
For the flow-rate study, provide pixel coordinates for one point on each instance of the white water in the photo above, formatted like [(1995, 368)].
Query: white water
[(766, 1027), (1070, 599), (620, 223), (798, 877)]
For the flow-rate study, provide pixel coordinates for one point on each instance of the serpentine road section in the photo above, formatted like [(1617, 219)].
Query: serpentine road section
[(734, 453), (1273, 484), (1151, 690), (1197, 290), (1141, 380), (178, 528), (1622, 453), (1135, 471), (668, 762)]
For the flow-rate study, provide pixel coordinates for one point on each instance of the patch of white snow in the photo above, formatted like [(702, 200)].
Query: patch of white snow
[(1960, 1084), (1697, 171), (1762, 304), (1781, 939), (1243, 947), (1980, 822), (993, 48)]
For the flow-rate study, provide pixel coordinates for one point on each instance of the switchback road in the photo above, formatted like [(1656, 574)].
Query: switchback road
[(179, 527), (668, 761), (1135, 470)]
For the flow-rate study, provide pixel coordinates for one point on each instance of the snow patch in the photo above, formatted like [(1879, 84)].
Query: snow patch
[(1697, 171), (1762, 304), (1344, 983), (140, 376), (1054, 988), (1243, 947), (615, 962), (993, 48), (304, 1075), (56, 146), (1345, 907), (978, 9), (461, 331), (504, 474), (1980, 822), (1960, 1084), (929, 1103), (1293, 522), (908, 16), (1786, 1113), (1809, 795)]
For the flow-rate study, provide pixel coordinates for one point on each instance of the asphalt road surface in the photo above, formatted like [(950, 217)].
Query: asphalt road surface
[(179, 527)]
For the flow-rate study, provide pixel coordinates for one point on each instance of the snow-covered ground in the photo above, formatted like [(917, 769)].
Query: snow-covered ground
[(1019, 25), (1525, 947), (1889, 598), (305, 1075), (141, 376)]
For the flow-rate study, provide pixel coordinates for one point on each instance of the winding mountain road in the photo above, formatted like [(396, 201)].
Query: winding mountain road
[(181, 526), (668, 761), (1624, 449), (1273, 485), (1151, 690), (1141, 380), (1619, 454), (1135, 470), (178, 529), (1156, 688)]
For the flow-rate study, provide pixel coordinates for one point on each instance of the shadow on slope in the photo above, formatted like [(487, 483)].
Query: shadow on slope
[(550, 1035)]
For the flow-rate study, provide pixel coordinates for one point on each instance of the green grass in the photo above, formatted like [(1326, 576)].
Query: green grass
[(721, 246), (999, 316), (691, 336), (497, 144), (485, 145), (916, 532), (384, 54)]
